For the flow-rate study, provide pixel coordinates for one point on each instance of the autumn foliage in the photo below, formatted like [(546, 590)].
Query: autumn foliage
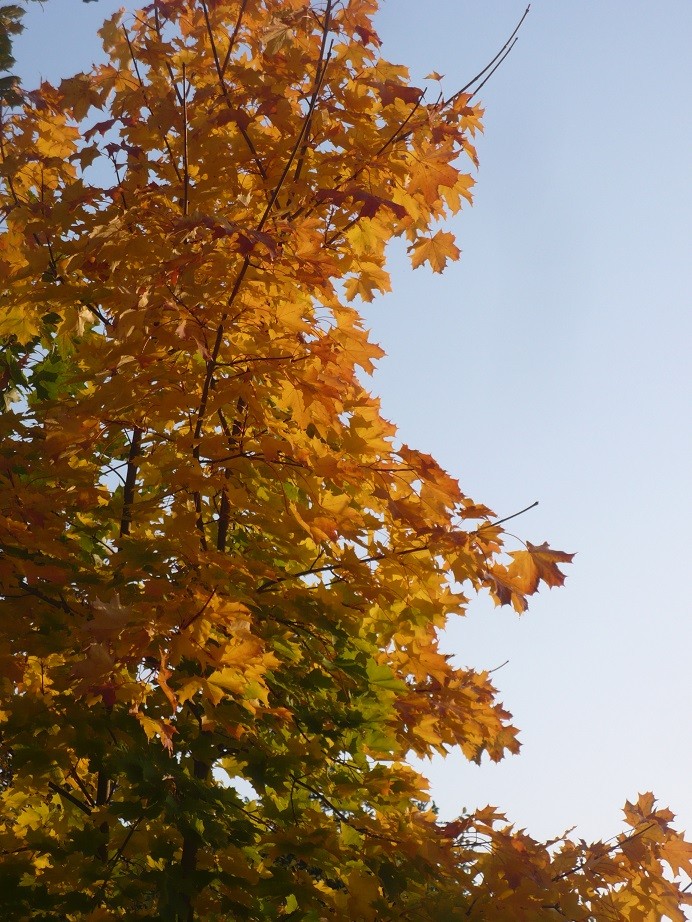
[(223, 579)]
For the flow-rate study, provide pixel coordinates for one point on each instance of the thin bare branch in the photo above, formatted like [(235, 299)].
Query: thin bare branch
[(114, 859), (340, 814), (320, 71), (507, 517), (234, 36), (198, 614), (491, 65), (490, 73)]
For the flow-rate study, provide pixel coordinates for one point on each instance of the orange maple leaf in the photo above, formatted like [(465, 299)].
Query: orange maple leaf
[(435, 250), (536, 563)]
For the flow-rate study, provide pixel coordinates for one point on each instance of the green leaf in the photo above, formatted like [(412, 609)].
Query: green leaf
[(383, 677)]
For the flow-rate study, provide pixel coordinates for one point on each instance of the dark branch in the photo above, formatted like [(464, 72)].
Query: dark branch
[(492, 65), (63, 792)]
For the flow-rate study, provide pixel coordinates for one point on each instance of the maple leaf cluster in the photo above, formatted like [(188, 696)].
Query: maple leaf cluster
[(223, 581)]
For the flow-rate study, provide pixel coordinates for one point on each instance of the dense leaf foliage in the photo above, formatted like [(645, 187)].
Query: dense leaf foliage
[(223, 578)]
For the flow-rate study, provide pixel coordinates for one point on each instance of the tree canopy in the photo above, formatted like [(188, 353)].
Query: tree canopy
[(223, 576)]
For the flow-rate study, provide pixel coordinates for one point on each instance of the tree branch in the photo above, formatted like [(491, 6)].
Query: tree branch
[(220, 70), (340, 814), (130, 488), (188, 858), (157, 21), (507, 517), (319, 79), (63, 792), (82, 787), (186, 171), (332, 567), (164, 136), (607, 850), (213, 359), (114, 859), (234, 36), (492, 65)]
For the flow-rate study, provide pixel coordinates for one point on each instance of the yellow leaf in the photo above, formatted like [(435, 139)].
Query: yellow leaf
[(435, 250), (370, 278)]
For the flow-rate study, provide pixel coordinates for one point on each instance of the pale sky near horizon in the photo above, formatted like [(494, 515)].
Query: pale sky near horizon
[(551, 363)]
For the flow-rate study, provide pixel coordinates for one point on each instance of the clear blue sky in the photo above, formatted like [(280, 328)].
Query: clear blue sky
[(551, 363)]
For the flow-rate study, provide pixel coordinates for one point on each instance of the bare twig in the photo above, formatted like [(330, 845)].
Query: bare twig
[(507, 517), (234, 36), (491, 65), (400, 134), (320, 71), (225, 510), (32, 590), (113, 860), (339, 813)]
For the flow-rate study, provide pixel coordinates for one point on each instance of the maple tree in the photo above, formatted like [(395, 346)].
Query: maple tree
[(223, 580)]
